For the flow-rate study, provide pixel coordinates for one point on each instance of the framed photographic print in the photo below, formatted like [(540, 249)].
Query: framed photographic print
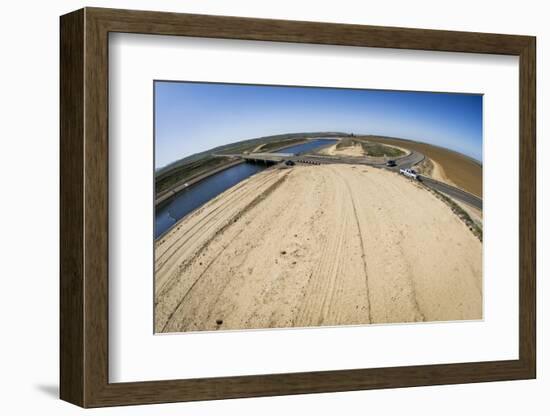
[(256, 207)]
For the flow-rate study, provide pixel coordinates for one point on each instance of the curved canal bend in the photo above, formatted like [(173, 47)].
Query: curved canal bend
[(188, 200)]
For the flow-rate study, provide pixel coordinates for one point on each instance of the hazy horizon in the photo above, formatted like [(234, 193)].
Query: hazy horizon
[(194, 117)]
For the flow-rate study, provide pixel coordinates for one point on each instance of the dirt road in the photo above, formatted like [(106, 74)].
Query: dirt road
[(317, 245)]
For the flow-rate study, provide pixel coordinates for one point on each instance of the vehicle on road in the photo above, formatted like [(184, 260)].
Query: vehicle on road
[(289, 163), (391, 163), (410, 173)]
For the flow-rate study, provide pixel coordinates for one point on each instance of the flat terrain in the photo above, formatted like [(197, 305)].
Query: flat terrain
[(451, 167), (317, 245)]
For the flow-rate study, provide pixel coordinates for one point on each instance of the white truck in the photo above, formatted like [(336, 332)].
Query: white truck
[(409, 173)]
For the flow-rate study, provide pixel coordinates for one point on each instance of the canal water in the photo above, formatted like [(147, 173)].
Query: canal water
[(306, 147), (189, 199)]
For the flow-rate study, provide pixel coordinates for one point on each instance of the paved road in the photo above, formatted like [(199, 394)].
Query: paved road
[(406, 162), (416, 157), (403, 163), (409, 161), (453, 192)]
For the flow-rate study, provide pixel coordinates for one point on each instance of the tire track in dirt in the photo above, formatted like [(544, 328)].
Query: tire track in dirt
[(313, 307), (223, 291), (273, 300), (214, 293), (363, 252), (337, 282), (391, 291), (223, 202), (175, 279), (207, 225), (332, 245)]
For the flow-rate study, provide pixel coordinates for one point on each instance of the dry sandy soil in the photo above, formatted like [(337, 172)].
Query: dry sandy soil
[(317, 245), (457, 170), (355, 150), (432, 169), (475, 214), (439, 174)]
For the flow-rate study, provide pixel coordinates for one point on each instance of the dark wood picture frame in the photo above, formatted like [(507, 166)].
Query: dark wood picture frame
[(84, 207)]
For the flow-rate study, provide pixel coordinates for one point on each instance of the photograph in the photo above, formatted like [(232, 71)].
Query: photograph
[(282, 205), (310, 206)]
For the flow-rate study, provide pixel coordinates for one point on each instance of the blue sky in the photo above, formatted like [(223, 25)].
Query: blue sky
[(192, 117)]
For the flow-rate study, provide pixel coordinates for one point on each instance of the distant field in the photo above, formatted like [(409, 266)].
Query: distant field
[(463, 171)]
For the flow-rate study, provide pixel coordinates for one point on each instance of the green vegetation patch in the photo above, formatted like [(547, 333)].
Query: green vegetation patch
[(379, 150)]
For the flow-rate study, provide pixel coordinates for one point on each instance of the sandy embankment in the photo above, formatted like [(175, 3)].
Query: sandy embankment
[(438, 173), (355, 150), (434, 170), (319, 245), (475, 214)]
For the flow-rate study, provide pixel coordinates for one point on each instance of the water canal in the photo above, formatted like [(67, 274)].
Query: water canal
[(188, 200)]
